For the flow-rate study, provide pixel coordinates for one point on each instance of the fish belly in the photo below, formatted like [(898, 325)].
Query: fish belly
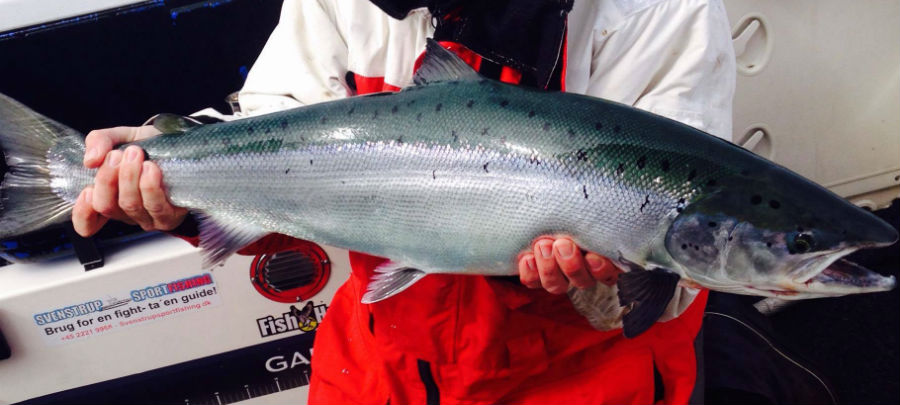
[(464, 210)]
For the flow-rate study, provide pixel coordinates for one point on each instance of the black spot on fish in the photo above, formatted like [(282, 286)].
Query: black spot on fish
[(692, 174), (621, 168), (433, 176), (581, 155), (756, 199), (768, 244), (394, 109), (343, 182), (400, 140), (531, 114), (664, 165), (268, 130), (249, 130), (598, 126), (485, 167), (571, 133), (323, 120), (438, 107), (504, 103), (310, 162), (455, 136), (680, 205), (410, 102), (484, 131), (284, 124), (697, 247), (419, 117), (375, 115), (617, 129), (470, 103), (774, 204), (683, 246), (646, 201), (546, 126), (712, 224), (288, 170), (584, 190), (641, 162), (350, 112)]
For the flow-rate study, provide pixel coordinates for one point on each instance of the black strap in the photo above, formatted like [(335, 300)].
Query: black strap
[(85, 248), (5, 352), (432, 395)]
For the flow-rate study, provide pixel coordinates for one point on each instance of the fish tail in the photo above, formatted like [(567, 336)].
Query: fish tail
[(44, 173)]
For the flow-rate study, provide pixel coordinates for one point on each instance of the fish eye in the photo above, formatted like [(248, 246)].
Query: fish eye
[(802, 243)]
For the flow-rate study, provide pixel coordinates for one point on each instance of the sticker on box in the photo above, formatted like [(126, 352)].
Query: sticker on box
[(145, 304)]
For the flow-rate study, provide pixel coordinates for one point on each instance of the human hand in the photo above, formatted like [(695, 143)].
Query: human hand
[(126, 188), (556, 263)]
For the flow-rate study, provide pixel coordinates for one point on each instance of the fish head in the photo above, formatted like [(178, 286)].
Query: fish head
[(785, 242)]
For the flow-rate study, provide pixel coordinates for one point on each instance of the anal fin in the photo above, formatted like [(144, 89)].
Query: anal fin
[(220, 238), (648, 292), (390, 278)]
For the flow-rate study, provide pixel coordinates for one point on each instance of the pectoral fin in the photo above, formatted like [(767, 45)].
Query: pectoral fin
[(648, 292)]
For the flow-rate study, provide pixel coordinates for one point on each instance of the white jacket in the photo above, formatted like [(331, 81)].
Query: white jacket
[(670, 57)]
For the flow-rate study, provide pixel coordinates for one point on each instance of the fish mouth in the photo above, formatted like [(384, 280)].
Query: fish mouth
[(844, 275), (830, 275)]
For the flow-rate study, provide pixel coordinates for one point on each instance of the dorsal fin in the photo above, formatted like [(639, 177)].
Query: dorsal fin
[(442, 65)]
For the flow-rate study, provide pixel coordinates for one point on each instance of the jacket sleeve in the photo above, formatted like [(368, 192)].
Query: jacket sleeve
[(304, 61), (672, 58)]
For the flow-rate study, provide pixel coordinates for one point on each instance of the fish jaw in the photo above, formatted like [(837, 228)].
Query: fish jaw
[(834, 277), (844, 277)]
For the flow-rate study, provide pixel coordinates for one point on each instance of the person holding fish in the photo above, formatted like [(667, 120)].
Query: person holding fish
[(459, 338)]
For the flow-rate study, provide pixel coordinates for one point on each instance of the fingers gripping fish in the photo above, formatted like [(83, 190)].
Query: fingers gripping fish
[(459, 173)]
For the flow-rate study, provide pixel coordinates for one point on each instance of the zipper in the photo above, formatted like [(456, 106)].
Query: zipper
[(432, 395)]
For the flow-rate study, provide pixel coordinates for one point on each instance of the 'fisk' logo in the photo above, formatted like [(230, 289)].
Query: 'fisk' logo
[(305, 320)]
